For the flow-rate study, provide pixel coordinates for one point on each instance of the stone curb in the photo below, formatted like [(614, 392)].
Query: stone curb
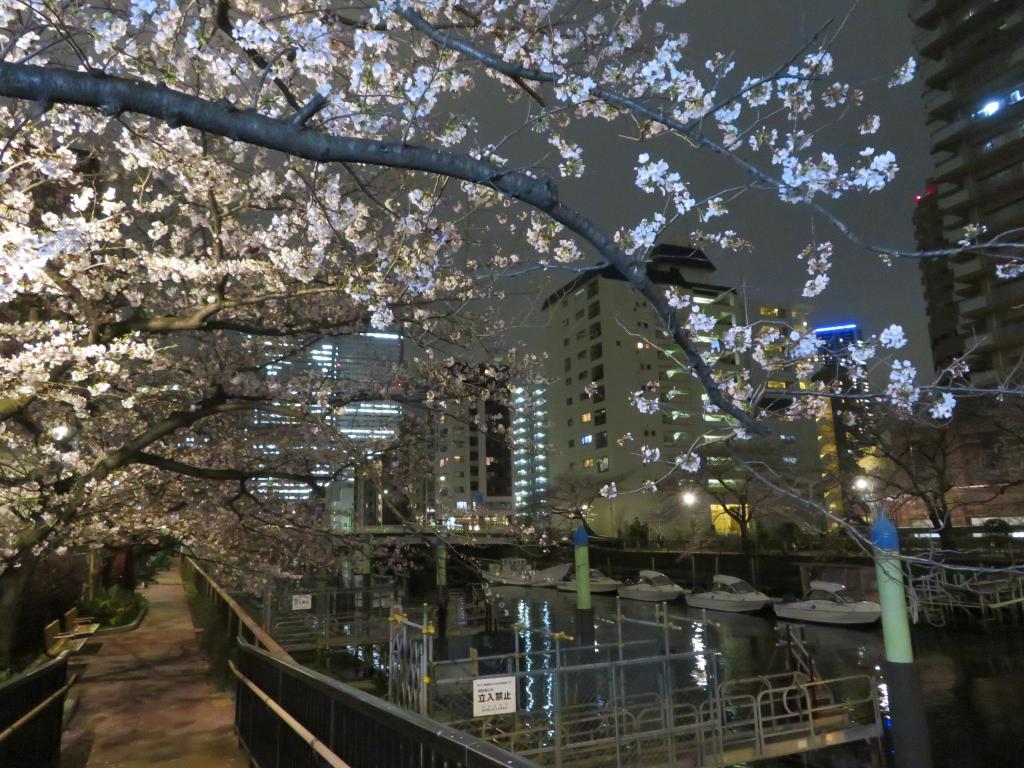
[(124, 627)]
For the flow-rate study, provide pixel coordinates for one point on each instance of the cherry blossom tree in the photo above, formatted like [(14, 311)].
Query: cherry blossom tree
[(184, 181)]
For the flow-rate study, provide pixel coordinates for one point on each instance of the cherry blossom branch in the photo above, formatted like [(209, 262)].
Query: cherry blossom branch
[(114, 96), (210, 473), (690, 130)]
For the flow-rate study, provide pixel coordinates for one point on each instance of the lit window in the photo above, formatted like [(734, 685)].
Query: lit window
[(586, 440), (457, 459), (989, 108), (588, 463), (771, 312), (585, 418), (789, 459), (776, 385), (602, 463)]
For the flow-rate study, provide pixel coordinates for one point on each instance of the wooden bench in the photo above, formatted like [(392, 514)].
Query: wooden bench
[(55, 642), (78, 626)]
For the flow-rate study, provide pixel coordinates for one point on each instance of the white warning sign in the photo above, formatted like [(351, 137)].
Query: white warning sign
[(494, 696)]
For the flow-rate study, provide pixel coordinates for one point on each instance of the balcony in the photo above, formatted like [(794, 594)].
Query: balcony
[(934, 73), (1009, 336), (977, 343), (999, 302), (937, 100), (969, 268), (985, 378), (944, 134), (954, 201), (949, 167), (974, 306), (925, 38), (922, 11)]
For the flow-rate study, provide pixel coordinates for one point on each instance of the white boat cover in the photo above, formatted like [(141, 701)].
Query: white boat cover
[(555, 571), (827, 586)]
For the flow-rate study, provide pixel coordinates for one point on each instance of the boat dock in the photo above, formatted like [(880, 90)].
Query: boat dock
[(633, 703)]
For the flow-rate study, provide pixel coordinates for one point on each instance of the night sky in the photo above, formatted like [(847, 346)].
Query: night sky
[(874, 40)]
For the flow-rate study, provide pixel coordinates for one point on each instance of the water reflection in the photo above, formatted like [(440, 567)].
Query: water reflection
[(973, 680)]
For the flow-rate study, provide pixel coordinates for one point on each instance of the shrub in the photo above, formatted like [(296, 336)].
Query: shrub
[(112, 607)]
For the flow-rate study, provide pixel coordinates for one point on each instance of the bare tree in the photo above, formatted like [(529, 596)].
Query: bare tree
[(731, 475), (969, 467)]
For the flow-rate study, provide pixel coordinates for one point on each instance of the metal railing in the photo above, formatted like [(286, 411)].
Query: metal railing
[(287, 715), (636, 703), (239, 623), (32, 713)]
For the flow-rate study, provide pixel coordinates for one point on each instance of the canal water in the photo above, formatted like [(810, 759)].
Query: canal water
[(973, 679)]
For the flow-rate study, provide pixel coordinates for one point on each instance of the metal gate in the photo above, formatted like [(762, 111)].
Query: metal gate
[(410, 656)]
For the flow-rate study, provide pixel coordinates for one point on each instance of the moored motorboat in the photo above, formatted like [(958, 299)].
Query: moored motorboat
[(510, 571), (599, 583), (829, 603), (515, 572), (731, 594), (550, 577), (651, 586)]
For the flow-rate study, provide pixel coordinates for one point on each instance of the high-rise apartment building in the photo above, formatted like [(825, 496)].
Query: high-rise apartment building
[(473, 461), (530, 425), (604, 343), (842, 441), (972, 68)]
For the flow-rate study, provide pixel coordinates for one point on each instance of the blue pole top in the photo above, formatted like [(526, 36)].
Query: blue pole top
[(438, 541), (884, 535), (580, 538)]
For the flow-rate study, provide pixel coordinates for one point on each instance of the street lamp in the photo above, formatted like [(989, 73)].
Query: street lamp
[(689, 498), (861, 483)]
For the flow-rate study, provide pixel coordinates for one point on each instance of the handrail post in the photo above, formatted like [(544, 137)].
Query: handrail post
[(810, 711), (615, 707), (558, 703), (280, 722)]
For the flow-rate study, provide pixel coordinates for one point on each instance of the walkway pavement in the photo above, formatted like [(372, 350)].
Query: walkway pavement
[(145, 698)]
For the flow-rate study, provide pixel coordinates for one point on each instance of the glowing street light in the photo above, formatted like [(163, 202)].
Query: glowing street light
[(689, 498)]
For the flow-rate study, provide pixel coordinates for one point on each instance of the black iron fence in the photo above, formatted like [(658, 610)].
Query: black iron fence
[(288, 716), (31, 713)]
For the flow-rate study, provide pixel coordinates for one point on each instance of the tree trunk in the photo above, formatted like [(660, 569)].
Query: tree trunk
[(943, 525), (744, 536), (13, 582)]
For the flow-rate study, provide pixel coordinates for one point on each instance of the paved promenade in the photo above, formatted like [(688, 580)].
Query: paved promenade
[(145, 699)]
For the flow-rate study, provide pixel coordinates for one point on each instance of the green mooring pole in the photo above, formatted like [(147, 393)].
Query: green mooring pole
[(584, 611), (906, 703)]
